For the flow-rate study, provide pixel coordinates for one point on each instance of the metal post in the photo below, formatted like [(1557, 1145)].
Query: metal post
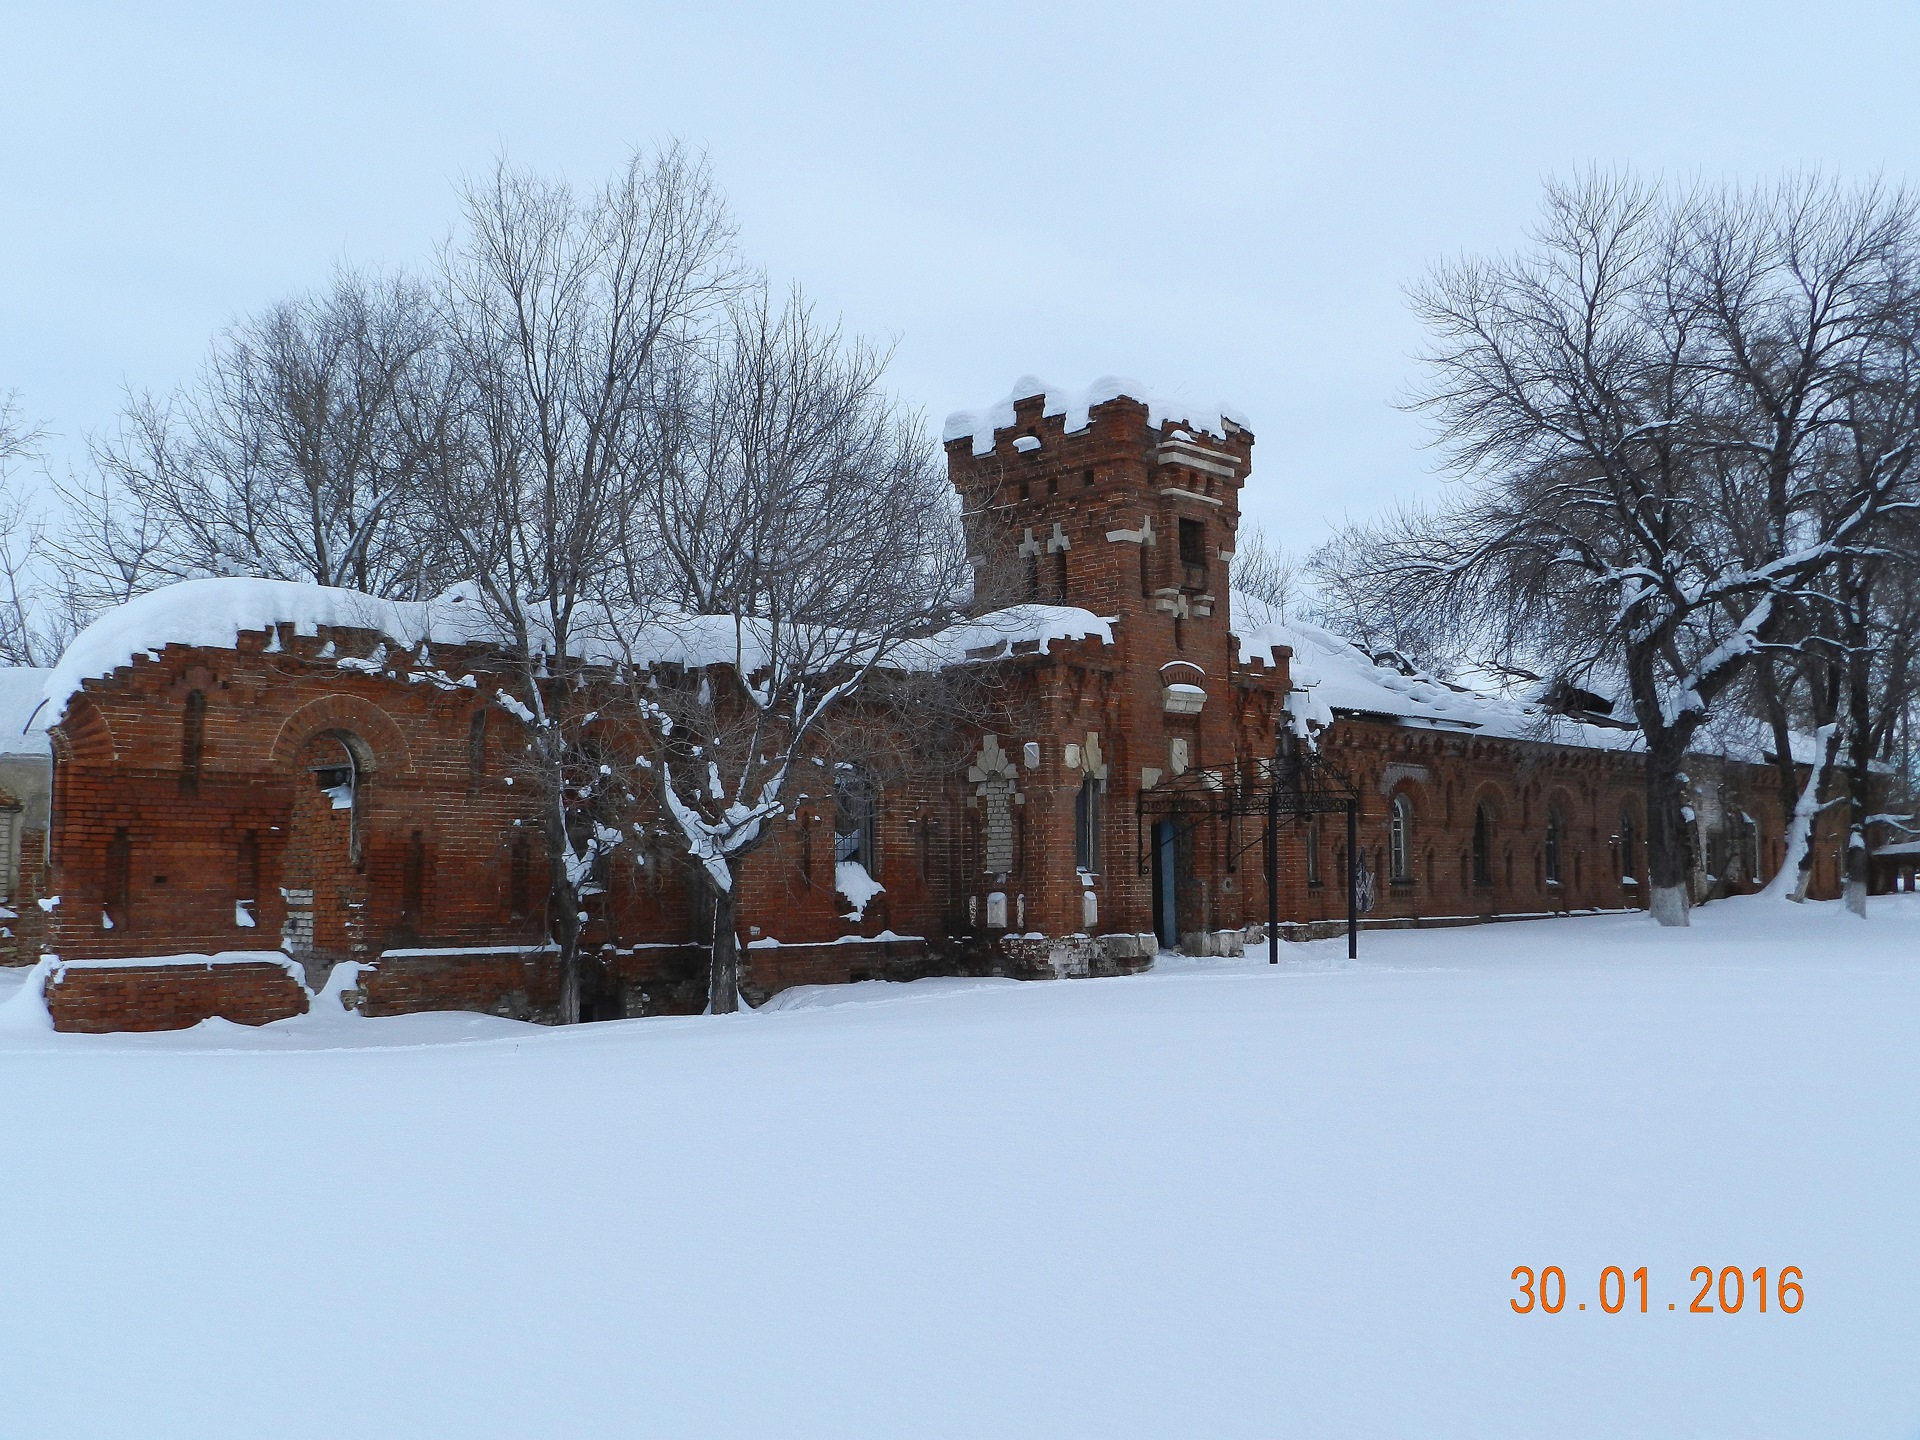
[(1353, 880), (1273, 873)]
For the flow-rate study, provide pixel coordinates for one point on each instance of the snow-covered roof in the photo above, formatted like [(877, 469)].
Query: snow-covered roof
[(995, 635), (1339, 675), (23, 720), (980, 425), (214, 612)]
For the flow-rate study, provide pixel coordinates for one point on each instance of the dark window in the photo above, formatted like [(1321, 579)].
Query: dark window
[(119, 886), (1086, 826), (854, 819), (1087, 479), (1629, 847), (1146, 571), (1313, 850), (1482, 846), (1060, 574), (247, 871), (1553, 845), (193, 728), (1193, 542)]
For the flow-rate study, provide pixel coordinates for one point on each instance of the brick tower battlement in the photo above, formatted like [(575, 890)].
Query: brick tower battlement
[(1110, 500)]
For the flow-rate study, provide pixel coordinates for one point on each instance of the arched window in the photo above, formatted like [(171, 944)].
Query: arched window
[(1629, 847), (1313, 850), (1482, 845), (1086, 826), (854, 818), (1400, 841), (1553, 845)]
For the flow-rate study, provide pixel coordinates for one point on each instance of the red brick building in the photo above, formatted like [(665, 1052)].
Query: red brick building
[(242, 768)]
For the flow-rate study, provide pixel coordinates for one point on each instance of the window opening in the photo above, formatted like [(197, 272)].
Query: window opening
[(1399, 841), (1086, 826)]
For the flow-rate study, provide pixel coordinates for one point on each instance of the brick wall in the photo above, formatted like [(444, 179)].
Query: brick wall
[(171, 996)]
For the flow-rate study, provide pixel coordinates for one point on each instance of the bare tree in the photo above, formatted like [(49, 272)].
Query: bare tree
[(559, 308), (800, 521), (1643, 404), (1263, 569), (291, 456), (34, 625)]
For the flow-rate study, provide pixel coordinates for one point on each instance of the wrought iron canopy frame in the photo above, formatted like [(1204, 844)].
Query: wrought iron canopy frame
[(1296, 781)]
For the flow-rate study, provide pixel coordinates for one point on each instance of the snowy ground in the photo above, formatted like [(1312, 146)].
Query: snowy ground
[(1220, 1199)]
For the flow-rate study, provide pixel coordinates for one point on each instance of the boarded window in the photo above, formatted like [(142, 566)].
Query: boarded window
[(520, 877), (476, 749), (413, 881), (118, 900), (193, 729)]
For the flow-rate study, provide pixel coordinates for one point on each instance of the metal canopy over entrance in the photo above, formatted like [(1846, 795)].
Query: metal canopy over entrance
[(1296, 782)]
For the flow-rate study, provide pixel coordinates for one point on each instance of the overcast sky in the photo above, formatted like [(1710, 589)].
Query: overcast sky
[(1222, 201)]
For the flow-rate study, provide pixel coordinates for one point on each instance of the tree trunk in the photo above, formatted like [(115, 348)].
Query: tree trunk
[(1796, 866), (1859, 772), (723, 973), (1776, 708), (1668, 897)]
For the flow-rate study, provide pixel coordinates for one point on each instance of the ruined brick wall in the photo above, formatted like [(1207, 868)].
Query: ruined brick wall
[(189, 804), (101, 998)]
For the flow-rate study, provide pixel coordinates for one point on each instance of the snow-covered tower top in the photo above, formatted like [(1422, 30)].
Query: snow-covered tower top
[(1111, 498)]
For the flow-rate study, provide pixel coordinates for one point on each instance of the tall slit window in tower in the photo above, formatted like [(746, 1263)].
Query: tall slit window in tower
[(1313, 850), (1553, 845), (1193, 551), (1060, 574), (1086, 826), (1482, 845)]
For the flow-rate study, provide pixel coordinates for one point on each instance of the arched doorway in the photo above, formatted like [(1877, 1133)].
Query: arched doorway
[(324, 880)]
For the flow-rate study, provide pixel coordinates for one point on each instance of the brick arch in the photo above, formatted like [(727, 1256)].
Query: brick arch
[(83, 736), (1499, 806), (352, 713)]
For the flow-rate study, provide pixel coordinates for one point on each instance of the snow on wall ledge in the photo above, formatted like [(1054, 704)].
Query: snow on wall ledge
[(980, 425)]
